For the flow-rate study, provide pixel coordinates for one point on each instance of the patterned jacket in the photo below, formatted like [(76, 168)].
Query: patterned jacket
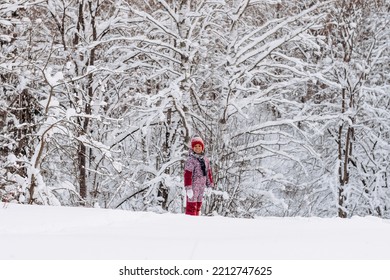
[(193, 174)]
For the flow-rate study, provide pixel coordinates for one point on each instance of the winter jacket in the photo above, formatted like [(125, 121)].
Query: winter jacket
[(194, 176)]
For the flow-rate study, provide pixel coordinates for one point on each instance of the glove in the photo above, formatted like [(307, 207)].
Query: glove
[(207, 191), (190, 193)]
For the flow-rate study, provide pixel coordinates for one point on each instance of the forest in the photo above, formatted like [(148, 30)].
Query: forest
[(100, 98)]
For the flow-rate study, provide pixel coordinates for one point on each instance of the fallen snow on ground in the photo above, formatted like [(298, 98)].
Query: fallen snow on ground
[(66, 233)]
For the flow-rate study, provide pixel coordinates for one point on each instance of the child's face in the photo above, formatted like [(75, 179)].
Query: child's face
[(198, 148)]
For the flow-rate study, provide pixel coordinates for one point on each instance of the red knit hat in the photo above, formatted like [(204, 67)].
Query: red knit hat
[(197, 140)]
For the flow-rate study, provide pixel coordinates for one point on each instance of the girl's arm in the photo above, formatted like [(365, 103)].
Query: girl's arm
[(188, 168)]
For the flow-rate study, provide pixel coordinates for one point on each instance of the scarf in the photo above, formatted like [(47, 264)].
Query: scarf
[(200, 158)]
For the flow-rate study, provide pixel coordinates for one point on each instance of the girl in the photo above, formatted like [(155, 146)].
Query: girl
[(197, 176)]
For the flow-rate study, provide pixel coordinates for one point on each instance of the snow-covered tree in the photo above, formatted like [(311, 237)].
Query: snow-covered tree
[(19, 106), (100, 99), (262, 153), (354, 147)]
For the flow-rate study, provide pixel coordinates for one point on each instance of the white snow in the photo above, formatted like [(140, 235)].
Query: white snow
[(48, 242), (69, 233), (53, 80)]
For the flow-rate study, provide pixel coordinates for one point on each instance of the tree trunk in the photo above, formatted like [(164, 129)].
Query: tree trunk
[(82, 171)]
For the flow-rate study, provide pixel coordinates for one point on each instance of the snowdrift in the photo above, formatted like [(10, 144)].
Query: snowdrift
[(65, 233)]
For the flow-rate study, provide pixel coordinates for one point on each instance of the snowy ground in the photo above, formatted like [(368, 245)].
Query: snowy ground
[(64, 233)]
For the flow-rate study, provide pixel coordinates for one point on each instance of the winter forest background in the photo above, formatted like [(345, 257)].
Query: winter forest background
[(99, 100)]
